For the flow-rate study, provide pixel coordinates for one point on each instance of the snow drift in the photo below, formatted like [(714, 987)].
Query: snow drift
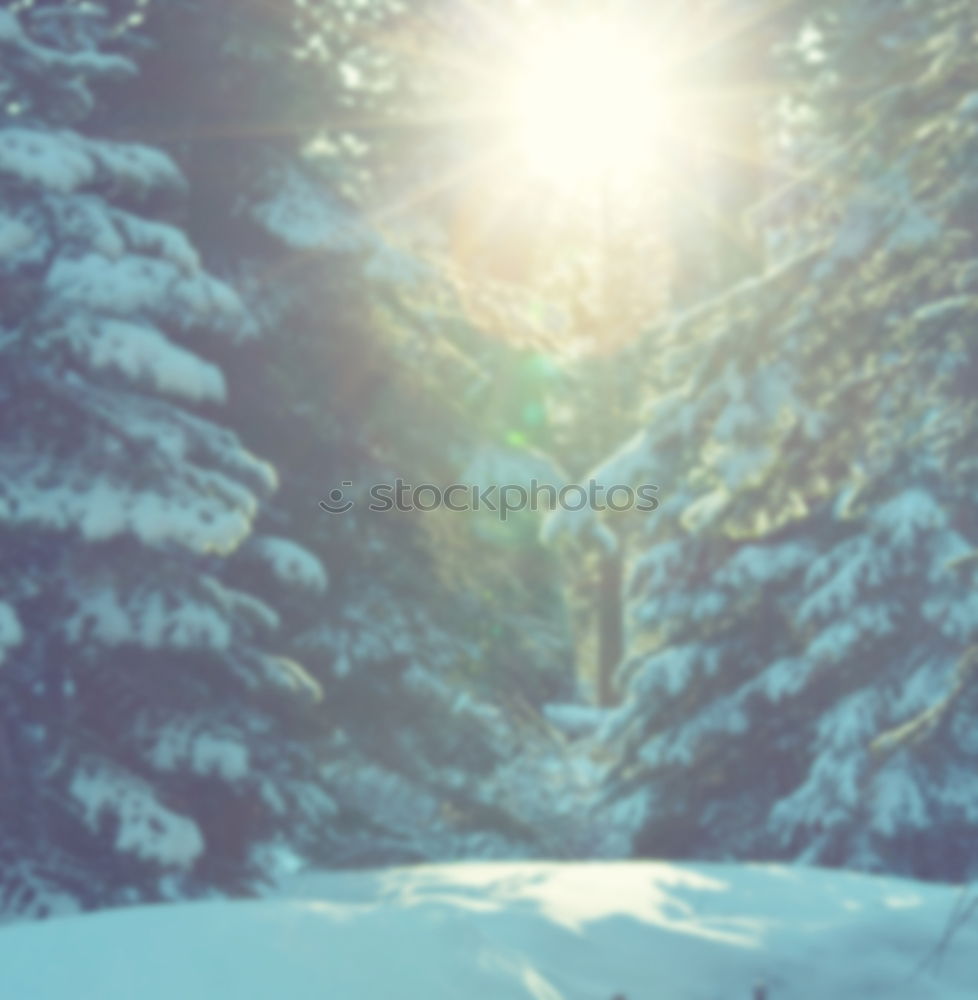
[(512, 931)]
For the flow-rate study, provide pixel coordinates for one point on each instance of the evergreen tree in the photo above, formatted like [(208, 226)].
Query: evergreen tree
[(148, 738), (285, 127), (798, 594)]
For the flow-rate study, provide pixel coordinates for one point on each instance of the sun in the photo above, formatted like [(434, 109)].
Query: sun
[(588, 100)]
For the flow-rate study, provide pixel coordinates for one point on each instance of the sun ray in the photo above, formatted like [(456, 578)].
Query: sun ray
[(571, 104), (708, 37), (441, 182)]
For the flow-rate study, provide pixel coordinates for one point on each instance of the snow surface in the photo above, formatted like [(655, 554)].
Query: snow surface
[(143, 826), (575, 720), (304, 216), (291, 563), (11, 633), (503, 931)]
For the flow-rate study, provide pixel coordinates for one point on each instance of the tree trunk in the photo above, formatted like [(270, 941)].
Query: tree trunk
[(610, 626)]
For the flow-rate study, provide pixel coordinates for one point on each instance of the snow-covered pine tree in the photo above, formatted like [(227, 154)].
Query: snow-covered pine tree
[(798, 595), (360, 372), (147, 738)]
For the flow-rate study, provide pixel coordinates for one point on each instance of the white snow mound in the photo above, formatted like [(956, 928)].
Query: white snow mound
[(502, 931)]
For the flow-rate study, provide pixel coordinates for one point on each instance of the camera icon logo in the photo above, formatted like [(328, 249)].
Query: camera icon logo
[(337, 502)]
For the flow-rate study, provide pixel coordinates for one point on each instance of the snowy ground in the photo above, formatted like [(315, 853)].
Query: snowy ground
[(514, 930)]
